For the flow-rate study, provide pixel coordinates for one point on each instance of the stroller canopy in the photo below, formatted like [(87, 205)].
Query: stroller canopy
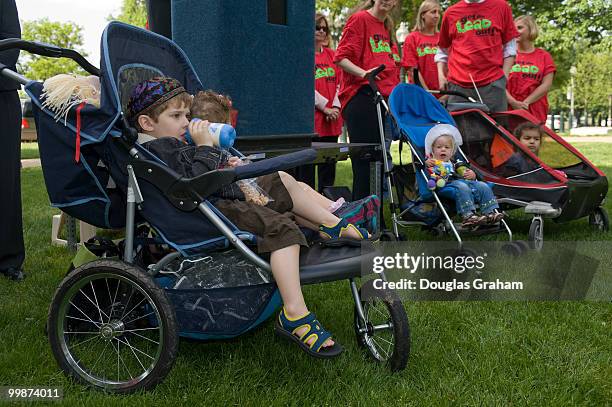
[(417, 111), (130, 55)]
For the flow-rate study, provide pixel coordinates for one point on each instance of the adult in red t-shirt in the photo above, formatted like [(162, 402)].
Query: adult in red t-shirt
[(477, 42), (422, 44), (532, 74), (328, 123), (367, 41)]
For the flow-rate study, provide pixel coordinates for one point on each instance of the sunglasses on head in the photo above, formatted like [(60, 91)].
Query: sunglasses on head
[(321, 27)]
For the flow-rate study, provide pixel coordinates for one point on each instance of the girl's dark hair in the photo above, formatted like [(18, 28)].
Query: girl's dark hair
[(526, 126)]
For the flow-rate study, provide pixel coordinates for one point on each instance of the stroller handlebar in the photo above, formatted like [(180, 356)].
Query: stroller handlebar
[(454, 93), (48, 50), (371, 77)]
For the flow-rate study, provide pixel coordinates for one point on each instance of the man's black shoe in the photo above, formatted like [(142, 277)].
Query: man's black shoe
[(13, 274)]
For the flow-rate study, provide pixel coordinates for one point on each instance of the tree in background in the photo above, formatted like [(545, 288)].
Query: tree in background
[(64, 35), (593, 73), (132, 12)]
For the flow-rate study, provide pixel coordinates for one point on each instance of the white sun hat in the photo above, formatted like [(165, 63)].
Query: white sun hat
[(442, 130)]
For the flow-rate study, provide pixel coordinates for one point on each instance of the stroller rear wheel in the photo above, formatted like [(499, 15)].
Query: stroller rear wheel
[(384, 331), (111, 327), (599, 220)]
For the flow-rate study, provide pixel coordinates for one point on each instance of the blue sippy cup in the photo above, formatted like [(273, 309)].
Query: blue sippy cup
[(223, 134)]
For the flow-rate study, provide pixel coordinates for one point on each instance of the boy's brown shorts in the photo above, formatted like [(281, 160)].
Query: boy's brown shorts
[(273, 224)]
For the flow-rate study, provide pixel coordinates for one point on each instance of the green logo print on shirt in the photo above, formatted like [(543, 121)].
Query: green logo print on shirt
[(473, 25), (532, 69), (426, 51), (382, 46), (325, 73)]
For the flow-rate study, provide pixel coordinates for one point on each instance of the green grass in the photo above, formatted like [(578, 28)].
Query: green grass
[(478, 353), (29, 150)]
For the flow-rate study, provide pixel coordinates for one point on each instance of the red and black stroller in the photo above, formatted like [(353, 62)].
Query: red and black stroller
[(558, 183)]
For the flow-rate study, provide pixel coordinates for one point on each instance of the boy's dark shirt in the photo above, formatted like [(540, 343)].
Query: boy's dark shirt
[(191, 161), (518, 164)]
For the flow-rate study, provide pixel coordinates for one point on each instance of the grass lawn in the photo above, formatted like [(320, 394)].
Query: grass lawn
[(29, 150), (478, 353)]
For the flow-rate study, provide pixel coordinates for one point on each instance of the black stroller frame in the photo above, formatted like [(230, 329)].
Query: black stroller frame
[(84, 307), (396, 219)]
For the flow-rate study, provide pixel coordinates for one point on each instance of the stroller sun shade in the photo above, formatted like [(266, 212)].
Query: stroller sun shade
[(131, 55), (416, 111)]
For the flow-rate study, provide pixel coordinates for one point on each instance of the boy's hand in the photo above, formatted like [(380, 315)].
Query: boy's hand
[(199, 133), (234, 161), (430, 162), (469, 174)]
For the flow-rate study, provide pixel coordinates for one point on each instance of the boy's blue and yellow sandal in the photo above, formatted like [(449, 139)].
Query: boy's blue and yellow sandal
[(336, 232), (287, 328)]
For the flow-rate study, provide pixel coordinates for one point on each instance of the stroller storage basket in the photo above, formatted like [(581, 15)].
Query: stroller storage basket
[(218, 295)]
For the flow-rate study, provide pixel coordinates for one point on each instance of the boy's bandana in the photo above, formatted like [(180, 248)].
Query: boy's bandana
[(151, 93)]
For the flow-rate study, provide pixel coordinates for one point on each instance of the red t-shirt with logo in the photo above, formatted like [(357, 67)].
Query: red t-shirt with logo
[(418, 51), (527, 74), (326, 83), (475, 34), (366, 43)]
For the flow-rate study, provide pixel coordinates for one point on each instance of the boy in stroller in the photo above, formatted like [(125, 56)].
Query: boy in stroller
[(158, 108), (530, 135), (441, 144)]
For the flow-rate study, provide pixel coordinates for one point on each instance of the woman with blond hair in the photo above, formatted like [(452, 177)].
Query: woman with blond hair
[(367, 41), (422, 44), (532, 73)]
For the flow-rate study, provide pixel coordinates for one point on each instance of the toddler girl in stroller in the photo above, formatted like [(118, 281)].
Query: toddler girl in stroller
[(158, 108), (441, 145)]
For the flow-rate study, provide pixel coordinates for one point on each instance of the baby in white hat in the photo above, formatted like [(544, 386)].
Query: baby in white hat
[(461, 185)]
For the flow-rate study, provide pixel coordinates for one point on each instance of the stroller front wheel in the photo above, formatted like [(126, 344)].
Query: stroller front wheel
[(599, 220), (536, 233), (384, 331), (110, 326)]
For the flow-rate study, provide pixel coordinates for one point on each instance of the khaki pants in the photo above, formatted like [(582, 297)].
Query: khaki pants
[(493, 95)]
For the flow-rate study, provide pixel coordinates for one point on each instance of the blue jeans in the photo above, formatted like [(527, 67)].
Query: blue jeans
[(469, 193)]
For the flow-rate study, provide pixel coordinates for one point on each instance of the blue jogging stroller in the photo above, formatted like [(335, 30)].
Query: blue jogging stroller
[(114, 324), (415, 112)]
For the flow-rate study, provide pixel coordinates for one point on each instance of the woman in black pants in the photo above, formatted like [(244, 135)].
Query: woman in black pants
[(12, 252), (367, 41)]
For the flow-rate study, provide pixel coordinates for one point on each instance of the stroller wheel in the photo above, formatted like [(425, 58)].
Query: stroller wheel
[(384, 331), (516, 248), (599, 220), (112, 328), (536, 233)]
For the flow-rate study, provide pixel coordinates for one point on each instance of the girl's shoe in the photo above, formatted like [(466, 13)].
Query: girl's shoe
[(314, 332), (494, 217), (339, 230), (473, 220)]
